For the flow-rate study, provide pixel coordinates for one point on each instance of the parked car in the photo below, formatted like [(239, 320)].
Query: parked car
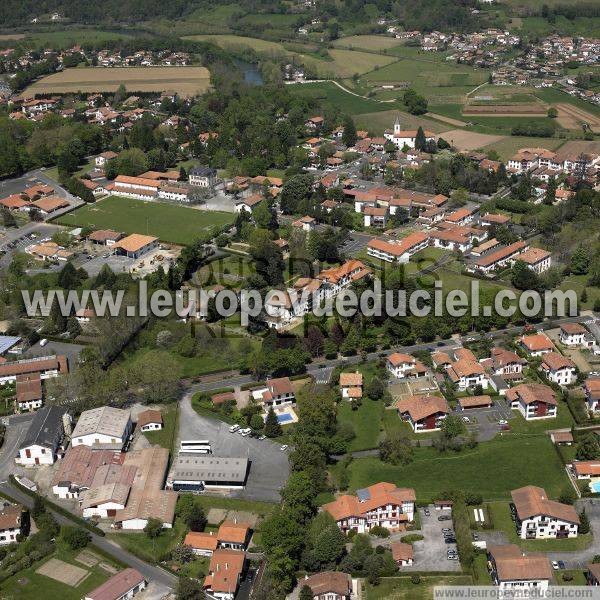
[(555, 565), (246, 431), (502, 422), (466, 419), (43, 342), (426, 512), (561, 564), (262, 437), (446, 530), (450, 540), (475, 537), (444, 518), (284, 448), (234, 428)]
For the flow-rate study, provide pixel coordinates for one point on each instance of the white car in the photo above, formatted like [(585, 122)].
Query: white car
[(245, 432), (555, 565), (234, 428), (43, 342), (262, 437), (466, 419), (502, 422), (284, 448)]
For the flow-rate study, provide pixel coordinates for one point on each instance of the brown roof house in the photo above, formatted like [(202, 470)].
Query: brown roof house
[(402, 554), (122, 586), (150, 420), (424, 413), (351, 385), (328, 585), (538, 517), (510, 568), (371, 507), (533, 400), (10, 523)]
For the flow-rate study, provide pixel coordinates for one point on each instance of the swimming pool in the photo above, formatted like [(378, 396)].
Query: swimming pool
[(284, 418), (595, 486)]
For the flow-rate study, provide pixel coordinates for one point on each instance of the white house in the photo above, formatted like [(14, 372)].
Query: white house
[(402, 554), (465, 371), (401, 138), (510, 569), (424, 413), (204, 177), (43, 437), (402, 365), (382, 505), (122, 586), (538, 517), (398, 251), (591, 388), (104, 428), (351, 385), (558, 368), (150, 420), (533, 401), (10, 523), (575, 334)]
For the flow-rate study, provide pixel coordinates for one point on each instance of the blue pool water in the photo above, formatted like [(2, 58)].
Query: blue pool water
[(284, 418), (595, 486)]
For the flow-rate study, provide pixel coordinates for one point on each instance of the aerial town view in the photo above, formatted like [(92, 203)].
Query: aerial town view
[(299, 299)]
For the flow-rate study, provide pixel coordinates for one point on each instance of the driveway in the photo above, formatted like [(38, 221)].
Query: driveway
[(16, 428), (580, 558), (430, 553), (269, 467)]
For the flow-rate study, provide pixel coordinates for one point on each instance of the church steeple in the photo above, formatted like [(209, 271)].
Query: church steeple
[(397, 125)]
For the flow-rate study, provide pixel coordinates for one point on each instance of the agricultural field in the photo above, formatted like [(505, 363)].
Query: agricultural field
[(508, 146), (169, 222), (573, 117), (186, 81), (429, 74), (466, 140), (506, 110), (67, 38), (348, 103), (432, 473), (371, 43), (377, 122), (229, 41)]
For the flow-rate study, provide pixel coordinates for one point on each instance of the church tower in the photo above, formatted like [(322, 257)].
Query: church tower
[(397, 125)]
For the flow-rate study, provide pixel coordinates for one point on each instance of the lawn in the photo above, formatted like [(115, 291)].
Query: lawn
[(401, 588), (502, 521), (151, 550), (371, 43), (492, 469), (169, 222), (262, 509), (166, 436), (378, 122), (29, 585), (331, 93), (366, 422)]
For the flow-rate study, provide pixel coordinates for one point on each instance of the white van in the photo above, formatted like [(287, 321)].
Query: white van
[(234, 428), (43, 342)]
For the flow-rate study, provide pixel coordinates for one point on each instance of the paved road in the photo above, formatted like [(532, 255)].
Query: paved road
[(269, 467), (151, 572), (15, 432), (315, 368)]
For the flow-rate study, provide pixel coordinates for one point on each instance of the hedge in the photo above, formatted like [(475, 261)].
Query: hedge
[(57, 508)]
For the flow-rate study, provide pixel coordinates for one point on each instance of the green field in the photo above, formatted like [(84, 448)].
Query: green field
[(402, 588), (166, 436), (508, 146), (29, 585), (492, 469), (331, 93), (169, 222), (366, 422), (229, 41), (68, 38), (372, 43), (377, 122)]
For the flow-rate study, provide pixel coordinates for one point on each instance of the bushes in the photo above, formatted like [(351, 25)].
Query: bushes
[(462, 528)]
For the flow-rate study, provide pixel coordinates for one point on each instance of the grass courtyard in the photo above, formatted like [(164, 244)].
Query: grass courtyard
[(492, 469), (165, 437), (169, 222), (30, 585), (402, 588)]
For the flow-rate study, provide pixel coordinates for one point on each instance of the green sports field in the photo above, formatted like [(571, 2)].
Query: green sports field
[(169, 222)]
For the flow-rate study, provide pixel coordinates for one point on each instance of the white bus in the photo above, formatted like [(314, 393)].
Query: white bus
[(195, 447)]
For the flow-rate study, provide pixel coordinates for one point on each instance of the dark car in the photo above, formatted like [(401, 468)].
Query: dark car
[(561, 565), (450, 540), (444, 518), (440, 344)]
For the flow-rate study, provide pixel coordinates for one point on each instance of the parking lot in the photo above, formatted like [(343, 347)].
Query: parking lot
[(430, 554), (355, 243), (486, 421)]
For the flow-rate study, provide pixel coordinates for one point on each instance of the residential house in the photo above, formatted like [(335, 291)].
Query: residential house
[(382, 505), (586, 469), (575, 334), (400, 251), (249, 203), (511, 569), (538, 517), (150, 420), (592, 575), (29, 395), (558, 368), (536, 259), (402, 365), (278, 391), (43, 437), (305, 223), (506, 363), (224, 573), (537, 344), (11, 516), (424, 413), (465, 371), (335, 279), (591, 388), (375, 216), (351, 385), (329, 585), (122, 586), (101, 160), (231, 535), (533, 401), (104, 428), (402, 554), (204, 177), (499, 258)]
